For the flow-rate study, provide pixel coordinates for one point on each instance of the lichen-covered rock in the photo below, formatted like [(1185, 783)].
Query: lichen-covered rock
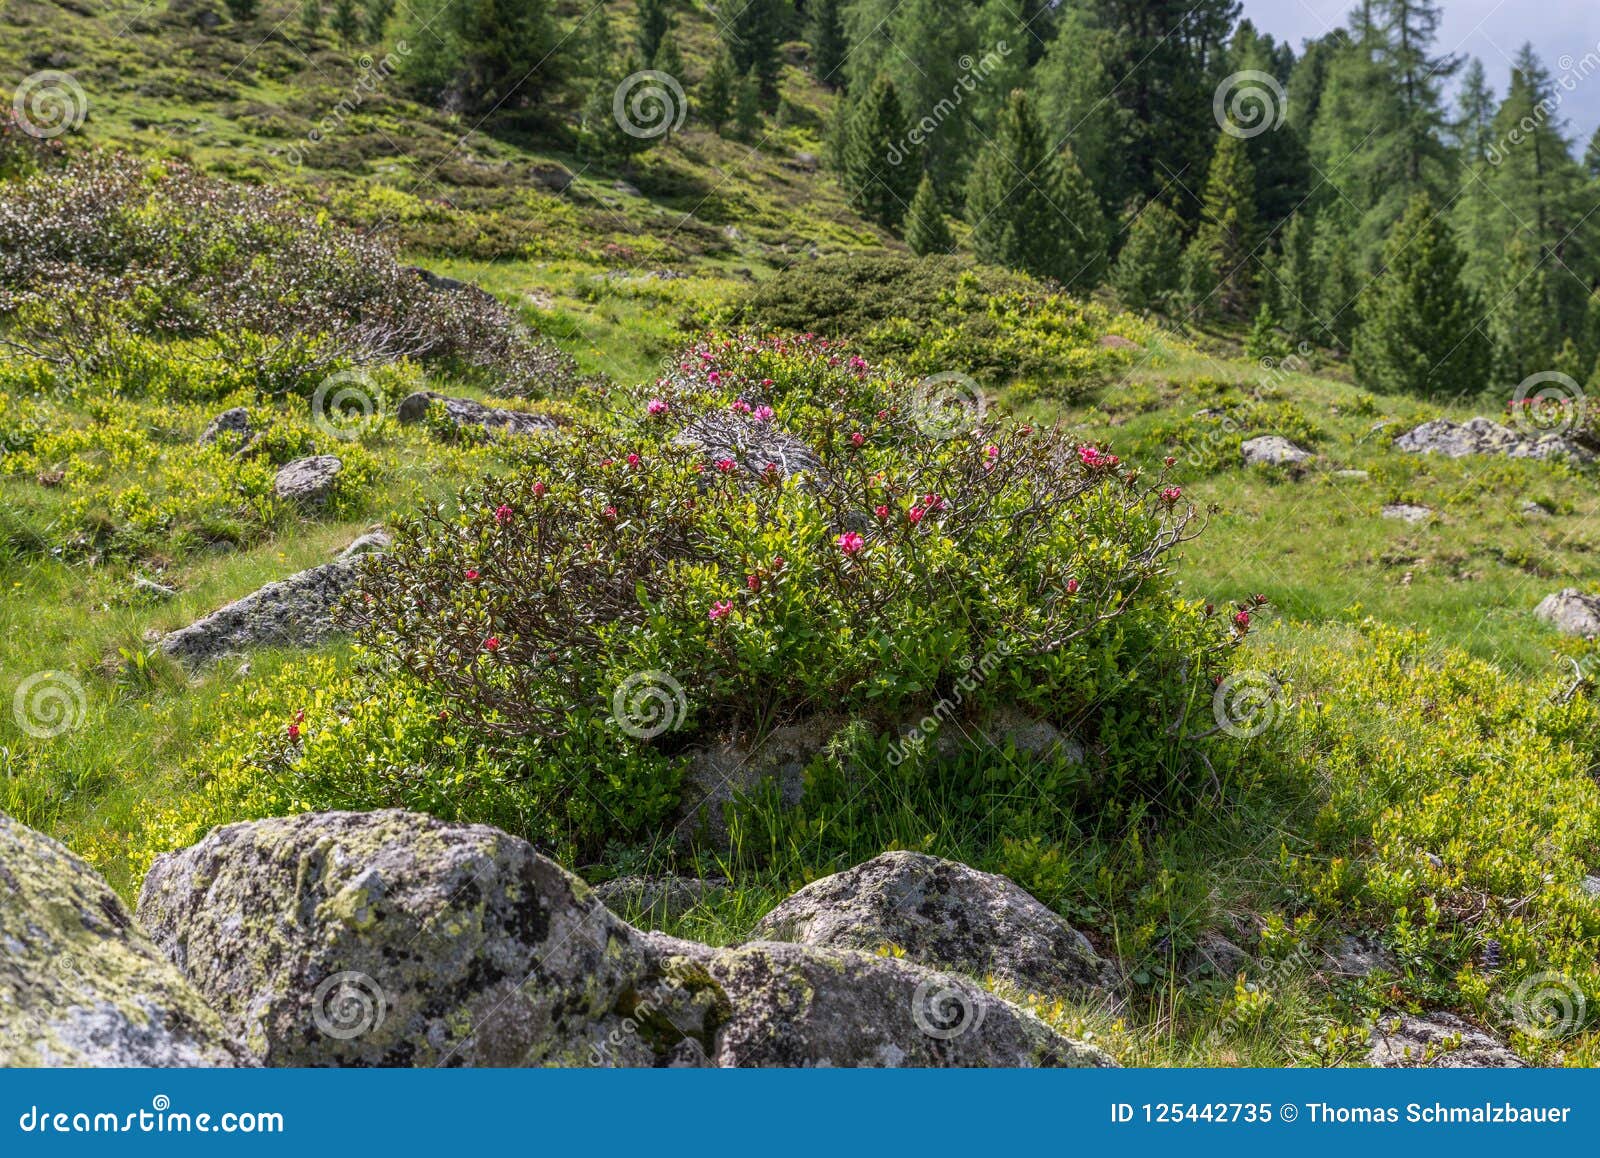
[(1272, 450), (80, 985), (372, 543), (1357, 956), (1406, 512), (798, 1005), (718, 774), (307, 480), (390, 938), (1437, 1041), (1483, 436), (1214, 958), (466, 412), (659, 897), (294, 612), (235, 421), (1571, 611), (946, 915), (754, 445)]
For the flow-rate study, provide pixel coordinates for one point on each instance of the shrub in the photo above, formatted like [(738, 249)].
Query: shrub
[(778, 530)]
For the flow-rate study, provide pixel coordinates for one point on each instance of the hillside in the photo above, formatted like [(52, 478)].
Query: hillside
[(1313, 764)]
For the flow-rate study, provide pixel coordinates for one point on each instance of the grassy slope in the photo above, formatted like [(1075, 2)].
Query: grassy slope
[(579, 265)]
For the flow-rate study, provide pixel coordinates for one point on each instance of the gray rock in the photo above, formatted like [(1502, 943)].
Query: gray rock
[(466, 412), (1482, 436), (80, 984), (235, 421), (390, 938), (1003, 727), (659, 897), (1535, 510), (734, 767), (1437, 1041), (1356, 956), (1406, 512), (151, 589), (946, 915), (1353, 475), (1571, 612), (1214, 956), (1272, 450), (294, 612), (754, 446), (307, 480), (791, 1005), (1590, 886), (372, 543)]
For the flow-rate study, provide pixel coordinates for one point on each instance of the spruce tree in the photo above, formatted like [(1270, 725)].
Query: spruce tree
[(345, 21), (1296, 281), (311, 16), (753, 32), (1226, 239), (1420, 329), (716, 92), (747, 106), (668, 58), (375, 18), (655, 21), (242, 10), (1148, 273), (879, 182), (926, 229), (829, 47), (478, 55), (1265, 340), (1521, 325), (1591, 156)]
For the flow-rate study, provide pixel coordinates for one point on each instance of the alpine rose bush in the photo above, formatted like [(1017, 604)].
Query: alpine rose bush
[(772, 531)]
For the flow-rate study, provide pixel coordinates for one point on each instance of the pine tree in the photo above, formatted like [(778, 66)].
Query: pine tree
[(716, 92), (1419, 321), (1071, 81), (1032, 208), (1591, 156), (752, 32), (1226, 239), (311, 17), (375, 18), (747, 106), (1339, 288), (1265, 340), (668, 58), (478, 55), (345, 22), (829, 47), (1521, 326), (880, 182), (926, 229), (1296, 281), (1148, 273), (243, 10), (655, 21)]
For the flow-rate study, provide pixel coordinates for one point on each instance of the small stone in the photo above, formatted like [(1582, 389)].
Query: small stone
[(1352, 475), (1534, 510), (308, 480), (151, 589), (235, 422), (372, 543), (1590, 886), (1272, 450), (1407, 512), (1216, 957), (1357, 956), (660, 898), (1571, 612)]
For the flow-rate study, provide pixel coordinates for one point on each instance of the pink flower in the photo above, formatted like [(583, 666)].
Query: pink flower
[(633, 461), (1072, 586), (492, 643), (857, 438), (882, 414), (766, 381), (753, 582), (472, 574), (502, 514), (777, 562), (850, 543), (1171, 495), (720, 610), (610, 513), (725, 465), (1169, 460), (657, 406), (714, 378), (539, 490), (739, 406), (934, 502), (762, 414), (1242, 620), (991, 451), (882, 512), (294, 732), (914, 515)]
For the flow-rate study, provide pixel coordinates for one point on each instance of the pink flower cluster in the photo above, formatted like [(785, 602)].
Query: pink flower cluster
[(1096, 459)]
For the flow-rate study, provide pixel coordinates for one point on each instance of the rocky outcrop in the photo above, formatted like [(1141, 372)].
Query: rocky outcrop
[(1437, 1041), (390, 938), (235, 422), (659, 897), (466, 412), (1482, 436), (294, 612), (1572, 612), (1272, 450), (308, 480), (80, 985), (945, 915)]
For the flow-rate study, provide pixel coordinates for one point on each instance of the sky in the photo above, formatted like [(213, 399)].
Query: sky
[(1563, 33)]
